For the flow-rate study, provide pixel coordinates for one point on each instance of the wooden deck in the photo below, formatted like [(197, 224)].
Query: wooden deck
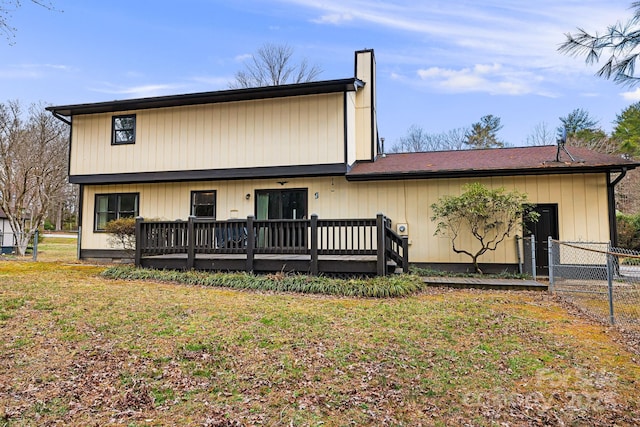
[(314, 246), (264, 263)]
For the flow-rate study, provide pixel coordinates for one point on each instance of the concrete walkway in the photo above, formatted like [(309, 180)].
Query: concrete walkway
[(488, 283)]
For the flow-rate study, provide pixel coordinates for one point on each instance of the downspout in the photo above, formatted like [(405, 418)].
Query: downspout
[(613, 228), (61, 118)]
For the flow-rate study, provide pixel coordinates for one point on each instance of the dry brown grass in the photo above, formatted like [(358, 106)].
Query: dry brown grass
[(78, 349)]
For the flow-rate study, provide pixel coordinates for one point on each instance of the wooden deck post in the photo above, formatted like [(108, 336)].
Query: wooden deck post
[(381, 250), (138, 255), (405, 254), (314, 244), (191, 243), (251, 244)]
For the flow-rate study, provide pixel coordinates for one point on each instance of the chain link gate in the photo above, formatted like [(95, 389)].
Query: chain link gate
[(602, 280)]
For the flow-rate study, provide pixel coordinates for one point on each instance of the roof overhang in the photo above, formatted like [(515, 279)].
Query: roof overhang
[(311, 88), (476, 173), (297, 171)]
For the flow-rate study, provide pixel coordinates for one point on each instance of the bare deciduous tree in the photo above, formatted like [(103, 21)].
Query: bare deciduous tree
[(273, 65), (419, 140), (7, 7), (33, 167), (541, 135)]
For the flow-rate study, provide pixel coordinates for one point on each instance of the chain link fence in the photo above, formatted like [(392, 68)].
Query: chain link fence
[(602, 280)]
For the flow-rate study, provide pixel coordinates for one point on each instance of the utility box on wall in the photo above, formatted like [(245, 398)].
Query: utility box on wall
[(402, 229)]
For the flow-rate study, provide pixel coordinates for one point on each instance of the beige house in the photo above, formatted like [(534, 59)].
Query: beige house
[(287, 152)]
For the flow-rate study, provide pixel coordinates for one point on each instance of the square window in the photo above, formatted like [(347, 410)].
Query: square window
[(113, 206), (123, 130), (203, 203)]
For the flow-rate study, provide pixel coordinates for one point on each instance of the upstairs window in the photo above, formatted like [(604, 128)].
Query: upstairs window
[(203, 203), (114, 206), (123, 130)]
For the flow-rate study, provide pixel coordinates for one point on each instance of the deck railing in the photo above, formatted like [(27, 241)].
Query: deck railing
[(249, 236)]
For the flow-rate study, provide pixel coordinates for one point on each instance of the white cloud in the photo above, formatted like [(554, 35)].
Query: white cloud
[(524, 34), (213, 82), (31, 71), (632, 96), (494, 79), (142, 91), (334, 18), (243, 57)]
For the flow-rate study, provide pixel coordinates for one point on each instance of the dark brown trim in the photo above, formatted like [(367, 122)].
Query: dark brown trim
[(391, 176), (611, 199), (345, 130), (105, 254), (80, 203), (213, 174), (311, 88)]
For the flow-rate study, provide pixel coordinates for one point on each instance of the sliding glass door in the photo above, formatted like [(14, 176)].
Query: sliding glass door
[(281, 204)]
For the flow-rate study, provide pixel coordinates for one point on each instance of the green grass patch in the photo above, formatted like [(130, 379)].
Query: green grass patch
[(117, 352), (377, 287)]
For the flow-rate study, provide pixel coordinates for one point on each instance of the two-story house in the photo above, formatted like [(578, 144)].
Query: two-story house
[(312, 148)]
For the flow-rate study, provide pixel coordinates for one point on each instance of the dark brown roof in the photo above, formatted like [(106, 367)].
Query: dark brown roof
[(490, 162)]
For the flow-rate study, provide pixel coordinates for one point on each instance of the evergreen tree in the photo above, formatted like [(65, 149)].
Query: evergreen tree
[(483, 134)]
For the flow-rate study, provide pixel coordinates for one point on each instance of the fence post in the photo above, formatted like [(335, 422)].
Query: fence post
[(519, 256), (381, 252), (610, 282), (551, 256), (534, 272), (138, 256), (79, 243), (251, 243), (191, 243), (405, 254), (314, 244), (36, 235)]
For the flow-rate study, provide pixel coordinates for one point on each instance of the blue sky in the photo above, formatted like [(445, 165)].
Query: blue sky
[(441, 64)]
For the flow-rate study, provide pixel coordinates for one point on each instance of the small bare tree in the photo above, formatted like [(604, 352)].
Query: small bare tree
[(33, 167), (488, 215), (122, 235), (274, 65)]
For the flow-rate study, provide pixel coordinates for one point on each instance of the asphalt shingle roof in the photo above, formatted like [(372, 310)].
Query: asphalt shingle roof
[(504, 161)]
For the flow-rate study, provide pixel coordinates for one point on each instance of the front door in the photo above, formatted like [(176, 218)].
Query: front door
[(546, 226)]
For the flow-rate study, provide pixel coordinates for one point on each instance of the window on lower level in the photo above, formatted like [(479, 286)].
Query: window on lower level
[(114, 206), (203, 203), (124, 129)]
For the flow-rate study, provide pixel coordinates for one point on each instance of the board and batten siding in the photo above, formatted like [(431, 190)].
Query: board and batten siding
[(301, 130), (581, 200)]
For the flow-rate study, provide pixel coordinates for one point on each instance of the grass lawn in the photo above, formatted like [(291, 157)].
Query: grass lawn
[(79, 349)]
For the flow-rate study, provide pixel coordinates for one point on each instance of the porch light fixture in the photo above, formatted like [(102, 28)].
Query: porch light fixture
[(248, 196)]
